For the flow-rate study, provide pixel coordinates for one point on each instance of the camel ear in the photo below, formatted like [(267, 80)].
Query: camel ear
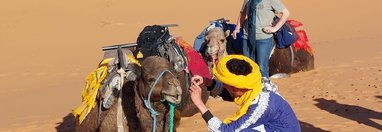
[(226, 33)]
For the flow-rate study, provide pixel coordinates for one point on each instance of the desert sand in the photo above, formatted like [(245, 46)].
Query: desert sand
[(48, 48)]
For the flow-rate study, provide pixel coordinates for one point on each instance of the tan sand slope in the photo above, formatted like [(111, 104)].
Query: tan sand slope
[(48, 48)]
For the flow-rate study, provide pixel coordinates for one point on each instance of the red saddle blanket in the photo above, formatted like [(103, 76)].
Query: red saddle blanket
[(302, 41), (196, 64)]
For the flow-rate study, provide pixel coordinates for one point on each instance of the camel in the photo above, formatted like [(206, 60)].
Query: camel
[(165, 46), (219, 42), (136, 116), (172, 87), (216, 46)]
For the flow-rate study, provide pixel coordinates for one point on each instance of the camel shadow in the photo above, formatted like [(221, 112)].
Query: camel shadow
[(67, 125), (352, 112), (306, 127)]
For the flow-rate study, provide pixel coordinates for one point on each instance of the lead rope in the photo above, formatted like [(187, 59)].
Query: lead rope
[(172, 109), (292, 55), (148, 103)]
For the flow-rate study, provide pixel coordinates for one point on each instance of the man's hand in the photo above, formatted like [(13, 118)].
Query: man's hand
[(196, 97), (198, 80), (196, 94)]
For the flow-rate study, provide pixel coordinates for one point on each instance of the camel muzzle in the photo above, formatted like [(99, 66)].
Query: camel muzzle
[(173, 95)]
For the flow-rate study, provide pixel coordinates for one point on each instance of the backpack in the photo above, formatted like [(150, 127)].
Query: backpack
[(156, 41), (149, 39), (285, 36)]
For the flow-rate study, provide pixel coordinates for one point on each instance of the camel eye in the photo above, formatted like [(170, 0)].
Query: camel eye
[(222, 40)]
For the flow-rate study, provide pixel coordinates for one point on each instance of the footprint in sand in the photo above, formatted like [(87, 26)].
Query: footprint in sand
[(109, 23)]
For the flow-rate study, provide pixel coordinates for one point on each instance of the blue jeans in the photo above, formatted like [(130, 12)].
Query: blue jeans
[(259, 52)]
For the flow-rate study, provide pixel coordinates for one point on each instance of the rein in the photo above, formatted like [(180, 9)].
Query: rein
[(151, 109)]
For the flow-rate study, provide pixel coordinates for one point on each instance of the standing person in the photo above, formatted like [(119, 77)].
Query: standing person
[(260, 110), (258, 29)]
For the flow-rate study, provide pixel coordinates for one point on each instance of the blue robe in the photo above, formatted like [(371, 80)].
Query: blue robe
[(268, 112)]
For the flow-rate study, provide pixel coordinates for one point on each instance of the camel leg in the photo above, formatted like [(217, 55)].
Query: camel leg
[(303, 61)]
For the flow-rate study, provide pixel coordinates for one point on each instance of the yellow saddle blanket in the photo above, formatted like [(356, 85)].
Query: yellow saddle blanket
[(89, 94), (93, 83)]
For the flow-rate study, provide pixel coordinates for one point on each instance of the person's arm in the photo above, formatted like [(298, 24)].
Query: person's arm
[(280, 9), (211, 84), (215, 87), (196, 97), (284, 16), (257, 114), (240, 19)]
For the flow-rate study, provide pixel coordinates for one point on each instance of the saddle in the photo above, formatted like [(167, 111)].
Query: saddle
[(103, 84), (156, 40)]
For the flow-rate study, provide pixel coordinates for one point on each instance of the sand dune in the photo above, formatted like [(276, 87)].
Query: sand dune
[(48, 48)]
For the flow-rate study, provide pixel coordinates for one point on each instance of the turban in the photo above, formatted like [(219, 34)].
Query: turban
[(251, 82)]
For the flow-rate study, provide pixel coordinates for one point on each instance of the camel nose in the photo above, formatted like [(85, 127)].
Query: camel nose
[(173, 92), (175, 84)]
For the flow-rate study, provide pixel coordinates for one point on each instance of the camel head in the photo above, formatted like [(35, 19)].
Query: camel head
[(168, 86), (216, 42)]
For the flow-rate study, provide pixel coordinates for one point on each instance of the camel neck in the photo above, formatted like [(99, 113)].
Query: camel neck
[(144, 115)]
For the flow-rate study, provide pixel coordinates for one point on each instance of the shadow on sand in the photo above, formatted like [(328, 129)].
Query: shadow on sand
[(306, 127), (352, 112), (67, 125), (69, 122), (356, 113)]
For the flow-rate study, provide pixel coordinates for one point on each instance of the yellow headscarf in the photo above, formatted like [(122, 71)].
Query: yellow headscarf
[(252, 82)]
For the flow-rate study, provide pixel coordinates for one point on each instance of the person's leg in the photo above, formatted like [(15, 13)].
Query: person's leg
[(249, 49), (263, 49)]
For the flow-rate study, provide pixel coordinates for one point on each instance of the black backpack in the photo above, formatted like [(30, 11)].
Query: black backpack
[(156, 40), (149, 39)]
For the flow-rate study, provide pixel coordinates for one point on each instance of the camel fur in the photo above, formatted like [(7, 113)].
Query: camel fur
[(280, 61), (136, 116)]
